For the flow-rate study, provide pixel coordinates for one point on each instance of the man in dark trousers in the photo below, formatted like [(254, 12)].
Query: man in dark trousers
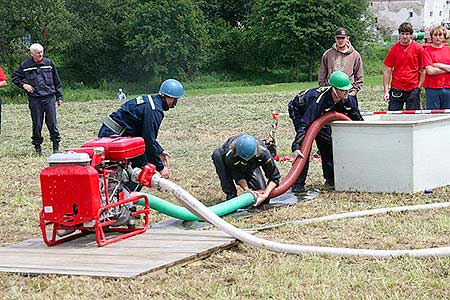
[(240, 160), (403, 76), (307, 107), (142, 116), (39, 78)]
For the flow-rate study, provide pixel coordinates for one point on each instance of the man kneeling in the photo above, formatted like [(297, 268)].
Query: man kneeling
[(240, 160)]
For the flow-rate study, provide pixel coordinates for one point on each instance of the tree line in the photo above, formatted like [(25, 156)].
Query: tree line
[(134, 40)]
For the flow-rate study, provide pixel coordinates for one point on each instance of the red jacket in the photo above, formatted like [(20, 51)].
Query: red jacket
[(2, 75)]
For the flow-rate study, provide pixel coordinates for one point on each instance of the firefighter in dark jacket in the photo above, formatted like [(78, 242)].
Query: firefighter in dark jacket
[(142, 116), (39, 78), (240, 160), (307, 107)]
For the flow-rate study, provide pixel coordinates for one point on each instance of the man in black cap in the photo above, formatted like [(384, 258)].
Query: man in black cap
[(342, 57)]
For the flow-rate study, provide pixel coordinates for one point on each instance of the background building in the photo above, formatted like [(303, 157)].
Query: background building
[(422, 14)]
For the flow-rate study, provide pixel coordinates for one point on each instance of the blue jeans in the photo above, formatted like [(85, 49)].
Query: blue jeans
[(437, 98)]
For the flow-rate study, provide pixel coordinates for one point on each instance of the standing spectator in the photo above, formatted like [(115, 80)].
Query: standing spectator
[(426, 40), (307, 107), (121, 95), (2, 84), (342, 57), (142, 116), (39, 78), (436, 62), (403, 71), (240, 160)]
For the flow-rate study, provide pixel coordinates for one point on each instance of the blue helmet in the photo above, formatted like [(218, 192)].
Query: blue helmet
[(172, 88), (246, 147)]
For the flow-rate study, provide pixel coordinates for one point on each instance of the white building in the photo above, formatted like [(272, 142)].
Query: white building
[(422, 14)]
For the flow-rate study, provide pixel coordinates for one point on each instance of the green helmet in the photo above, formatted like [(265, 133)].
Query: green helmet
[(340, 80)]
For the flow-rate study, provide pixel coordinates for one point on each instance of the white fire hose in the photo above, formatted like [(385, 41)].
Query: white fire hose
[(191, 203)]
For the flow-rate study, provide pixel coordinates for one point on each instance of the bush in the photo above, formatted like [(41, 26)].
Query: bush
[(373, 56)]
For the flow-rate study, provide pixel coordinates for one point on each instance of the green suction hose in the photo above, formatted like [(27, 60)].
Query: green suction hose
[(182, 213)]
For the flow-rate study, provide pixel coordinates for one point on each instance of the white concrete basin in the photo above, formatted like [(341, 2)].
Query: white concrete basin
[(392, 153)]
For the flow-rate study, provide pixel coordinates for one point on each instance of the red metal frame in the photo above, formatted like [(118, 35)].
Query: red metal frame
[(71, 196), (99, 225)]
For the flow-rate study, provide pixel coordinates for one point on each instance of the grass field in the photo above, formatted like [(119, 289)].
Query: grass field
[(191, 132)]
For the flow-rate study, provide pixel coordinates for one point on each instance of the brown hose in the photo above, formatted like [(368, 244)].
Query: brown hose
[(299, 163)]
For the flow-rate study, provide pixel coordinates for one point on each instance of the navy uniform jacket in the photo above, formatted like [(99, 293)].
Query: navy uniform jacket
[(239, 167), (314, 103), (142, 116), (42, 77)]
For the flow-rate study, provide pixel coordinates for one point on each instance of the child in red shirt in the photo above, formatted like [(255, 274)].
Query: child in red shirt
[(436, 62)]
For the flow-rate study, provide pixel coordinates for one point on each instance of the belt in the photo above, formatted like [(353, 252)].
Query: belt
[(111, 124)]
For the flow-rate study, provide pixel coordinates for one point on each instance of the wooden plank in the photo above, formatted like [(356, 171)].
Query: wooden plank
[(108, 252), (88, 241), (97, 273), (153, 251), (108, 269)]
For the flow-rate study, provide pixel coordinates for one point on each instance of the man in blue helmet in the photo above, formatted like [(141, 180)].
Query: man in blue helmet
[(142, 116), (240, 160), (307, 107)]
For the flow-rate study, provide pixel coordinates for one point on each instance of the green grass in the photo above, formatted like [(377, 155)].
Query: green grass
[(191, 132), (370, 81), (86, 94)]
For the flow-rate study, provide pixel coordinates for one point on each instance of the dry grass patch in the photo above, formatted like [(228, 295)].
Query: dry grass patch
[(191, 132)]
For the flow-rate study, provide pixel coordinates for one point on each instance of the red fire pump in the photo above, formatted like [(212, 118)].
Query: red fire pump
[(88, 189)]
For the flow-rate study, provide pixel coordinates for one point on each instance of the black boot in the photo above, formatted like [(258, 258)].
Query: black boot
[(38, 150), (55, 147), (298, 188), (329, 185), (231, 196)]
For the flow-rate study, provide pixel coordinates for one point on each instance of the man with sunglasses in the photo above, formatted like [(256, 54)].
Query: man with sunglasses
[(142, 117), (403, 76), (342, 57)]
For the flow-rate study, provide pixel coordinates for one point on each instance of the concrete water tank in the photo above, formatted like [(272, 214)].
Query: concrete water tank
[(392, 153)]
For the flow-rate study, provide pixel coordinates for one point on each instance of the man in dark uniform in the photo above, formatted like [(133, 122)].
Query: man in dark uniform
[(311, 104), (39, 78), (240, 159), (142, 116)]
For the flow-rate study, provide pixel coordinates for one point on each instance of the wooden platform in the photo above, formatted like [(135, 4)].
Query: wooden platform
[(155, 250)]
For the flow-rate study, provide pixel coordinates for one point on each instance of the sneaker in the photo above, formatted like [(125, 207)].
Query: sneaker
[(298, 188)]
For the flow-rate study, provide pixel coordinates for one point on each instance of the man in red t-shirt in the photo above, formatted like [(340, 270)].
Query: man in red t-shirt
[(2, 84), (436, 62), (403, 71)]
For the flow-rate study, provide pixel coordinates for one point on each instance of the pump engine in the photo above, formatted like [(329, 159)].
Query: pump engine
[(88, 189)]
